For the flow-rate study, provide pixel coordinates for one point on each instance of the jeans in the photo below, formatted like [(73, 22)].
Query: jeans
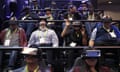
[(89, 27), (12, 59), (28, 27)]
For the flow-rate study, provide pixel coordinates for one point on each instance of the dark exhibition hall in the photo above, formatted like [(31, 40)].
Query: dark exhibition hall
[(59, 35)]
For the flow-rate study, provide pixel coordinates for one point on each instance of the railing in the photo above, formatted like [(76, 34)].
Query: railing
[(62, 20), (61, 48)]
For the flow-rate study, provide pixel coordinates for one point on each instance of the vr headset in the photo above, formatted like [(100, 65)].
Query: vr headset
[(91, 54)]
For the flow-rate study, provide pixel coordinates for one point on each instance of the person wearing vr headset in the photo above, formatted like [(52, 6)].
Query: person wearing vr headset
[(74, 35), (13, 36), (44, 37), (105, 33), (33, 61), (72, 13), (89, 62)]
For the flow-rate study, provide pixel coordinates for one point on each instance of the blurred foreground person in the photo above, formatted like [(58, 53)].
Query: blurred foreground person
[(89, 62), (33, 61)]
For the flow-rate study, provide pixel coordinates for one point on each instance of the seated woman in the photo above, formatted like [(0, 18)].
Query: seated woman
[(89, 62)]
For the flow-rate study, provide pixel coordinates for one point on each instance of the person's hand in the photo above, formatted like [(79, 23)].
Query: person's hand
[(67, 22), (83, 31)]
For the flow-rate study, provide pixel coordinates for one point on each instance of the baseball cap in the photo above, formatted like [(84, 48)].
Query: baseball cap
[(107, 19), (29, 51)]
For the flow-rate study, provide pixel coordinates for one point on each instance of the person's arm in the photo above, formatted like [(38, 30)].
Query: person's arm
[(55, 40), (67, 25), (32, 39), (93, 36), (24, 37), (91, 43), (3, 35)]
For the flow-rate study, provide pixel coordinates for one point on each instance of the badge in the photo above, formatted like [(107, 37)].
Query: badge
[(73, 44), (70, 19), (7, 42), (42, 40), (112, 34)]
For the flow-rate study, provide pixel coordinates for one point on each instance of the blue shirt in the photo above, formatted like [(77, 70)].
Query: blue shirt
[(47, 37)]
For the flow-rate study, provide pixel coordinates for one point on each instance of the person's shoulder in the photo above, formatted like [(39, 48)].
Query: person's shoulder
[(36, 31), (5, 30), (21, 29), (51, 30), (19, 69)]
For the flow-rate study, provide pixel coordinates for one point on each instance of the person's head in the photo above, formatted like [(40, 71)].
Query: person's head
[(32, 55), (83, 4), (35, 2), (26, 10), (72, 9), (91, 57), (48, 10), (43, 23), (77, 25), (13, 23), (106, 20)]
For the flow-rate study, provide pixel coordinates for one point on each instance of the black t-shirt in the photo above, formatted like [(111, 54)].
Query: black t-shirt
[(73, 36), (75, 16)]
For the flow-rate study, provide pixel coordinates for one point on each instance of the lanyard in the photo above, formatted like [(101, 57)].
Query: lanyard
[(108, 30), (9, 33), (91, 17), (36, 69), (44, 35)]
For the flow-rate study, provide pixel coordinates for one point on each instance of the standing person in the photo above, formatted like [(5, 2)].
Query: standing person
[(13, 36), (89, 62), (33, 61), (44, 37)]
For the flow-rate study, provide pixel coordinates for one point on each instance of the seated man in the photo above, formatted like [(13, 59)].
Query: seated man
[(105, 33), (44, 37), (50, 16), (33, 61), (13, 36), (74, 34)]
